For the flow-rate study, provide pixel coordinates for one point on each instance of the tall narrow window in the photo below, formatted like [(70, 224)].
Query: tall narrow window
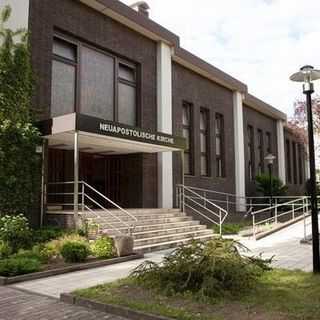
[(269, 143), (127, 94), (219, 133), (251, 164), (260, 152), (63, 84), (300, 155), (294, 157), (97, 84), (187, 134), (204, 142), (288, 156)]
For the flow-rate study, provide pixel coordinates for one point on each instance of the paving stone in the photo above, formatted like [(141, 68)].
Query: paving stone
[(18, 305)]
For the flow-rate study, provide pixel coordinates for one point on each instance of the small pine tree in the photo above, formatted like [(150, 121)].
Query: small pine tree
[(19, 163), (263, 186)]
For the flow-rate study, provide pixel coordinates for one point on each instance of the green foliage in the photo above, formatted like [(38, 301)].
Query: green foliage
[(15, 231), (308, 188), (57, 244), (41, 252), (19, 163), (263, 185), (103, 247), (46, 234), (5, 250), (74, 251), (230, 228), (205, 268), (16, 266)]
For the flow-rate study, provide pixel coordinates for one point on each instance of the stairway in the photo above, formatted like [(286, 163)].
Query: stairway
[(156, 229)]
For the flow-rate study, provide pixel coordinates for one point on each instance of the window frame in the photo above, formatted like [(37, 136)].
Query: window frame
[(260, 148), (189, 127), (251, 154), (221, 135), (300, 163), (269, 143), (206, 133), (294, 162), (289, 164), (78, 44)]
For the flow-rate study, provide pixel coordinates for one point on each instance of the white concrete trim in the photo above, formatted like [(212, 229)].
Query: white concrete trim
[(281, 151), (164, 114), (64, 123), (239, 152)]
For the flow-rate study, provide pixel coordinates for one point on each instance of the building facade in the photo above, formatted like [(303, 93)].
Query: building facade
[(131, 113)]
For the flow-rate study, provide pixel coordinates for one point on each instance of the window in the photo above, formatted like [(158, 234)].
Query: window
[(97, 84), (106, 87), (260, 152), (63, 84), (126, 94), (219, 134), (251, 164), (269, 143), (294, 155), (187, 134), (300, 155), (288, 155), (204, 142)]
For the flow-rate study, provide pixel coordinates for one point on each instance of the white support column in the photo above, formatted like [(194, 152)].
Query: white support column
[(164, 116), (281, 151), (76, 180), (239, 152)]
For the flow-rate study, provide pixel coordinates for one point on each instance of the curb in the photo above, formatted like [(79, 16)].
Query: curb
[(84, 266), (109, 308)]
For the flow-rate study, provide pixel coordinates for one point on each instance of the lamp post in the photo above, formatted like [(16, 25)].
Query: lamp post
[(270, 158), (307, 75)]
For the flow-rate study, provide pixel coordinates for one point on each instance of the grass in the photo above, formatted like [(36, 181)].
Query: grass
[(279, 295), (231, 228)]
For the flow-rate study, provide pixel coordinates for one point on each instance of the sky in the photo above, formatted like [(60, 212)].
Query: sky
[(259, 42)]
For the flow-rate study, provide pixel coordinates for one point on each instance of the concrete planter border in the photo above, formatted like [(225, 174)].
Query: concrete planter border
[(78, 267), (109, 308)]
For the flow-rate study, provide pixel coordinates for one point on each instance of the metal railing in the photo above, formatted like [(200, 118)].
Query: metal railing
[(189, 198), (307, 222), (279, 212), (90, 202)]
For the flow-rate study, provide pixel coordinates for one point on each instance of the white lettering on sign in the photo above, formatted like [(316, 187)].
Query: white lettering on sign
[(105, 127)]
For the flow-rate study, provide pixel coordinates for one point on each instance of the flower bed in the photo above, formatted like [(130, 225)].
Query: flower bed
[(27, 254)]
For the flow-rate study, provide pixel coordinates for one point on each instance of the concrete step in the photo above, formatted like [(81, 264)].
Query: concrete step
[(140, 217), (156, 227), (164, 232), (152, 221), (169, 244), (172, 237)]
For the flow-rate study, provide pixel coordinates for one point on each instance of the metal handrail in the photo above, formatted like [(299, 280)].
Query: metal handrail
[(301, 203), (181, 192), (129, 226)]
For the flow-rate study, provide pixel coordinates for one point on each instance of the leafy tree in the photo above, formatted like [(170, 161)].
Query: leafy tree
[(263, 186), (19, 163)]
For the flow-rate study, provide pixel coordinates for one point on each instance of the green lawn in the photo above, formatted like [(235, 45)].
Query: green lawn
[(279, 295)]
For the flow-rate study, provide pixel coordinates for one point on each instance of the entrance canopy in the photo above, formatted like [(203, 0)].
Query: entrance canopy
[(105, 137)]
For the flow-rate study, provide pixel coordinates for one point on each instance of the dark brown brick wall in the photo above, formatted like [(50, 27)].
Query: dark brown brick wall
[(82, 22), (258, 121), (192, 88), (294, 188)]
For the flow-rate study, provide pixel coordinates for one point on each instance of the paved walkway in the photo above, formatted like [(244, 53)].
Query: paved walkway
[(284, 245), (18, 305), (53, 286)]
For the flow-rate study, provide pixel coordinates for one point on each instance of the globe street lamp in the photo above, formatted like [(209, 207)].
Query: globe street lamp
[(307, 75), (270, 158)]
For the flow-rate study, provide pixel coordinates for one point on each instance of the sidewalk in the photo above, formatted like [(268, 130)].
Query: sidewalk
[(53, 286)]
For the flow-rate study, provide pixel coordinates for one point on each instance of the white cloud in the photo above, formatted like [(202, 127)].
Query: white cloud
[(260, 42)]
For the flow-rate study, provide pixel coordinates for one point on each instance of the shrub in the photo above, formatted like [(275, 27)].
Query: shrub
[(15, 231), (103, 247), (74, 251), (57, 244), (263, 186), (46, 234), (5, 250), (230, 228), (42, 253), (206, 268), (16, 266)]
